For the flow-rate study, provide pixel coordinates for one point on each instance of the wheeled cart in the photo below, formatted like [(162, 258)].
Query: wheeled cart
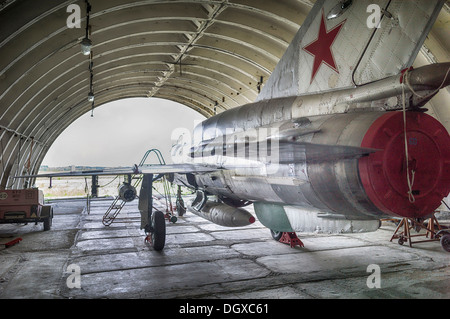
[(25, 206)]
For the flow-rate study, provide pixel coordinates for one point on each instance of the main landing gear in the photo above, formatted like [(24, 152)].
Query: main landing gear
[(152, 220), (156, 232), (289, 238)]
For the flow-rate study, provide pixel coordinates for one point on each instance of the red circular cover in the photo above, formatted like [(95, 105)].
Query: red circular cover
[(383, 174)]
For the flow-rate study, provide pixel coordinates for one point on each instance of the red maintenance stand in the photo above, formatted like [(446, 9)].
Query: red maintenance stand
[(25, 206)]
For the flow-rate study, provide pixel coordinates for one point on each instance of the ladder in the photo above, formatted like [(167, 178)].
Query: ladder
[(117, 205)]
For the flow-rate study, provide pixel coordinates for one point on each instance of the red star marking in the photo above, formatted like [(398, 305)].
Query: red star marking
[(320, 48)]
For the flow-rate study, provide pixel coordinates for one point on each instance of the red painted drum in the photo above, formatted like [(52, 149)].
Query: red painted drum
[(383, 174)]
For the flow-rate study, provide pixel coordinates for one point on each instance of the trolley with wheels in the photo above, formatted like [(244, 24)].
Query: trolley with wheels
[(25, 206)]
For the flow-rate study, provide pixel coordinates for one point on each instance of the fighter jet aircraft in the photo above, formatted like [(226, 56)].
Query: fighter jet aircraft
[(338, 132)]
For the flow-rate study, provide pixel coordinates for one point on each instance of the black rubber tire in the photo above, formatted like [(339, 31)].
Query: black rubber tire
[(47, 224), (445, 242), (181, 210), (48, 220), (159, 230), (276, 234)]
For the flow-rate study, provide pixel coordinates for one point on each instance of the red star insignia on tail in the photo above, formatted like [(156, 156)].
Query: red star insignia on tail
[(320, 48)]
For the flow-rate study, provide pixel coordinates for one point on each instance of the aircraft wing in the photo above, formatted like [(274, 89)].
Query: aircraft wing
[(344, 44), (144, 169), (178, 168)]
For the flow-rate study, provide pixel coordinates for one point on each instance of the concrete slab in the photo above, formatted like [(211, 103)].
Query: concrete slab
[(337, 260), (157, 282), (36, 276), (243, 234), (135, 260), (103, 233), (108, 244), (6, 264), (276, 293), (181, 229), (413, 284), (203, 260), (271, 247), (182, 239)]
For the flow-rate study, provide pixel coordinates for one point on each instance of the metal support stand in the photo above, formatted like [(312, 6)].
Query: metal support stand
[(291, 239), (403, 230)]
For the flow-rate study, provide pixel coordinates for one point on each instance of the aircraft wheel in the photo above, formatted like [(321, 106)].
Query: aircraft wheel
[(276, 234), (445, 242), (159, 230), (181, 210)]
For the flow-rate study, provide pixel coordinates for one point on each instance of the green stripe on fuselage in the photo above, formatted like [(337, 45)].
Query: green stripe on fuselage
[(273, 216)]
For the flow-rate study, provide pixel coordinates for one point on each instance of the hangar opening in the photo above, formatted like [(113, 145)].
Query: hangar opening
[(119, 133), (116, 134)]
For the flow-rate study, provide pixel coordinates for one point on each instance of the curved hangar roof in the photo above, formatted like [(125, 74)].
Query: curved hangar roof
[(207, 55)]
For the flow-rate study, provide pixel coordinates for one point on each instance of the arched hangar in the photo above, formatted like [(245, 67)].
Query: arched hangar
[(208, 55)]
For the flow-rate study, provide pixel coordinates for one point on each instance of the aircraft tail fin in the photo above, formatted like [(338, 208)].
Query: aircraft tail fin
[(349, 43)]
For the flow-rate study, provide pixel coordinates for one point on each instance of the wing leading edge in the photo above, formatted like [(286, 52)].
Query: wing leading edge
[(144, 169)]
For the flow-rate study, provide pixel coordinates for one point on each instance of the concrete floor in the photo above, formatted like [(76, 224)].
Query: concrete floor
[(203, 260)]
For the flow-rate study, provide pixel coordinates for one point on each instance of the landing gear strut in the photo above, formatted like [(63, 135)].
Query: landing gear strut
[(153, 222), (181, 209)]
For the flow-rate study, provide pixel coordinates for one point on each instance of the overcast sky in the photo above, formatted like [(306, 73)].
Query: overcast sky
[(121, 132)]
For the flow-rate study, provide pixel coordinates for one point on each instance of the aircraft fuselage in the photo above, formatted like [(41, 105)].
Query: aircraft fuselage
[(338, 152)]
